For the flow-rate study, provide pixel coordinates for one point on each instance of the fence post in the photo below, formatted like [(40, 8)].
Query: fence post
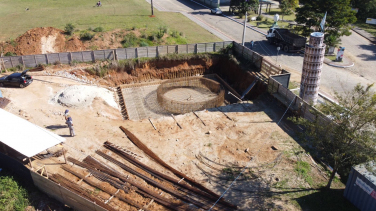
[(176, 49), (104, 55), (126, 54), (46, 58), (196, 48), (113, 54), (187, 47), (23, 62), (93, 53), (11, 63), (205, 48), (147, 52), (70, 55), (58, 55), (136, 53), (157, 51), (35, 59), (82, 56)]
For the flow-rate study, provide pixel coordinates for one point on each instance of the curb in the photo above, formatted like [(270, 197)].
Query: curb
[(250, 27), (340, 66)]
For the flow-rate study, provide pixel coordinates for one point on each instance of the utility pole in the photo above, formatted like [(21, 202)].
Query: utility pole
[(152, 8), (245, 21)]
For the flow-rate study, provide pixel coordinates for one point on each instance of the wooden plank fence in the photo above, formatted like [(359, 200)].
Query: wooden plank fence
[(111, 54)]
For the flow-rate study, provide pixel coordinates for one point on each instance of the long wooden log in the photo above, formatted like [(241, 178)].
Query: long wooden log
[(106, 189), (151, 154), (153, 182), (139, 188), (189, 189)]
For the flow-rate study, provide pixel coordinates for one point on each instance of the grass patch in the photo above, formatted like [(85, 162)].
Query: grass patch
[(121, 14), (268, 22), (332, 58), (367, 27), (274, 11), (294, 85), (303, 169)]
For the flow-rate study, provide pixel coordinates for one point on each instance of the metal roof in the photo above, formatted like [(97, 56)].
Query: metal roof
[(25, 137), (368, 170)]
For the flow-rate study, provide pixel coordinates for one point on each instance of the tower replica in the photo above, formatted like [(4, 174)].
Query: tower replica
[(312, 65)]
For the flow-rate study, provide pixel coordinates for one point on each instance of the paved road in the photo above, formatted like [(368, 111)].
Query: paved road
[(360, 50)]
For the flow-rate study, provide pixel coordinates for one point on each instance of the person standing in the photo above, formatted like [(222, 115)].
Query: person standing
[(66, 114), (69, 122)]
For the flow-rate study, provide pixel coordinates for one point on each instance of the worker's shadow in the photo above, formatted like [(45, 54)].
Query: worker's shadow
[(55, 127)]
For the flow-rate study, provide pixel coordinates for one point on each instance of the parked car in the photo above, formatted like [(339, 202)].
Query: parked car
[(17, 80), (216, 11)]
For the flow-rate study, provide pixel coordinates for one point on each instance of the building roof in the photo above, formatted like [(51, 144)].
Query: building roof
[(368, 170), (25, 137)]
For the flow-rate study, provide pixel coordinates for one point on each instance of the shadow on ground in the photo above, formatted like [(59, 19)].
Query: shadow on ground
[(55, 127)]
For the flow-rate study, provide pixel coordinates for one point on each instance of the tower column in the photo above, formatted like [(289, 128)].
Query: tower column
[(312, 65)]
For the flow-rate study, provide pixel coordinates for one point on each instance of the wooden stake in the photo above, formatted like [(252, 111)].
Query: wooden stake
[(224, 114), (199, 118), (176, 121), (30, 164), (65, 159), (152, 124)]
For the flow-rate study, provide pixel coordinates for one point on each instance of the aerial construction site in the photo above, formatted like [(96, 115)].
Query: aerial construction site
[(193, 132)]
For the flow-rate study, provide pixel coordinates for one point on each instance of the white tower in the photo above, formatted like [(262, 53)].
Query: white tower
[(312, 65)]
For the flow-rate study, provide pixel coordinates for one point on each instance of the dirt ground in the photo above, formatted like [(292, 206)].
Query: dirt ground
[(213, 154)]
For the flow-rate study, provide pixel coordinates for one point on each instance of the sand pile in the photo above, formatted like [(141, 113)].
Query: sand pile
[(83, 96)]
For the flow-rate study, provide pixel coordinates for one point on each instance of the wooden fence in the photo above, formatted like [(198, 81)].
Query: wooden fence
[(266, 67), (111, 54), (297, 104)]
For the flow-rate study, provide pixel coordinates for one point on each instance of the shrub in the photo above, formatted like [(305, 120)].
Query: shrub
[(13, 196), (259, 18), (10, 54), (143, 44), (134, 28), (174, 34), (129, 40), (241, 15), (13, 43), (69, 28), (98, 29), (86, 35)]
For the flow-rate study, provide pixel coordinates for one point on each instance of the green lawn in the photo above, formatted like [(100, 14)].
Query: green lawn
[(16, 20), (274, 11)]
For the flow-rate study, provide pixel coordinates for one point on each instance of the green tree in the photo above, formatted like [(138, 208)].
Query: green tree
[(338, 20), (288, 7), (347, 136), (366, 9), (242, 6)]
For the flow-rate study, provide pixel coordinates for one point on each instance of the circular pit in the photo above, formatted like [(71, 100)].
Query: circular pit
[(185, 95)]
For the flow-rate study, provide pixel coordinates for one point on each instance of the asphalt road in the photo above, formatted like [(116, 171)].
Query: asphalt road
[(358, 49)]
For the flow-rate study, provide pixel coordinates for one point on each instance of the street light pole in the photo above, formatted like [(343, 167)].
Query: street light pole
[(245, 20)]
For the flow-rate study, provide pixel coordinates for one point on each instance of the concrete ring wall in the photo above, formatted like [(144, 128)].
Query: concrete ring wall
[(178, 107)]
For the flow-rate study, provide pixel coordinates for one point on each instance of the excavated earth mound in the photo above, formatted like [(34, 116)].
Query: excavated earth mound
[(42, 40)]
